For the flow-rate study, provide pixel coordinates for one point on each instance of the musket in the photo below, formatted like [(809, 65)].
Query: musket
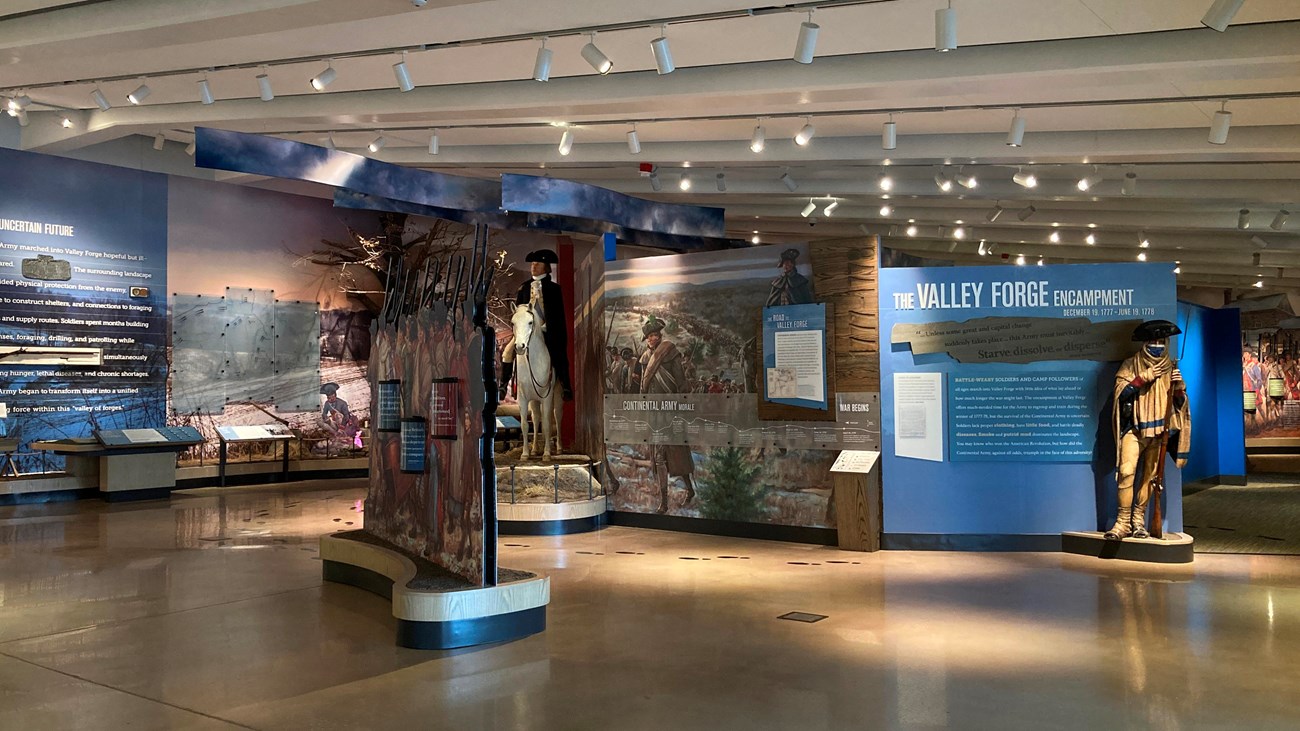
[(432, 289), (1157, 491)]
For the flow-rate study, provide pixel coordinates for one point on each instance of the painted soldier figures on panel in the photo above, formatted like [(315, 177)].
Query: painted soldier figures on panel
[(791, 288), (1152, 416), (546, 297), (662, 372)]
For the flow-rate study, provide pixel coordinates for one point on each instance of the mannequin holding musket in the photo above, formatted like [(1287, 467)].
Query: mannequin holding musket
[(1151, 415), (547, 300)]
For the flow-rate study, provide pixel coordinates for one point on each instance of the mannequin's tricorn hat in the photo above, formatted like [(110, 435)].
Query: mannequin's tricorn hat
[(651, 326), (545, 256), (789, 255), (329, 389), (1155, 330)]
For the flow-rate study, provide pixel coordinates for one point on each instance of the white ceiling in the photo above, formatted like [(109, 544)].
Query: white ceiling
[(1127, 86)]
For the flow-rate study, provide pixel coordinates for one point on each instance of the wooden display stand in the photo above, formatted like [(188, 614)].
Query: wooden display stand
[(855, 481)]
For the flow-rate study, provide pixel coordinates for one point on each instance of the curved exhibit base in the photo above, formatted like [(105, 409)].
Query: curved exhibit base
[(550, 519), (450, 614), (1173, 548)]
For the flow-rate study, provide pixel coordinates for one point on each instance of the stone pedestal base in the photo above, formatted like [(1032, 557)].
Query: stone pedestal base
[(1173, 548)]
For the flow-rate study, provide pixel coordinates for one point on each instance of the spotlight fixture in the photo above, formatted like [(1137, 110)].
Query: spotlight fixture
[(1243, 219), (1143, 241), (542, 66), (23, 119), (722, 182), (805, 133), (324, 78), (789, 182), (595, 58), (329, 141), (755, 240), (1088, 182), (1026, 212), (655, 184), (1016, 135), (959, 233), (264, 86), (377, 144), (911, 229), (159, 141), (566, 142), (884, 182), (205, 91), (1054, 237), (433, 143), (808, 209), (942, 180), (1040, 261), (991, 248), (1142, 256), (966, 181), (663, 54), (994, 214), (1259, 284), (1090, 239), (685, 182), (983, 251), (806, 46), (889, 135), (1255, 258), (1261, 243), (1178, 267), (1020, 260), (403, 74), (1220, 14), (100, 99), (633, 142), (190, 148), (19, 103), (1279, 221), (830, 208), (139, 94), (1219, 125), (945, 29), (758, 141), (1130, 185), (1025, 179), (67, 123), (886, 211)]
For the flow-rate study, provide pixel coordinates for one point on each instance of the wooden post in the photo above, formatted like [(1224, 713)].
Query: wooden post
[(857, 509)]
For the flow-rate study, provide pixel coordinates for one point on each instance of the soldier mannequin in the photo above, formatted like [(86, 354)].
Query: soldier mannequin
[(662, 372), (791, 288), (1150, 407), (547, 298)]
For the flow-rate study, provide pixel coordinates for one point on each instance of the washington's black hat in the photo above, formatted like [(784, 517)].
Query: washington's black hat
[(545, 256), (1155, 330)]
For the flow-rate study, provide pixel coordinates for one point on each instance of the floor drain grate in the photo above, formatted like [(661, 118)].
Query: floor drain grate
[(802, 617)]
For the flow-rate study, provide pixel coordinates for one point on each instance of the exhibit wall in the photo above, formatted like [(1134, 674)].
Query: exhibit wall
[(997, 391), (83, 299), (1208, 354)]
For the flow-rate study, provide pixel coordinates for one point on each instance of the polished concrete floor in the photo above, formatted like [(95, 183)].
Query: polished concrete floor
[(207, 612)]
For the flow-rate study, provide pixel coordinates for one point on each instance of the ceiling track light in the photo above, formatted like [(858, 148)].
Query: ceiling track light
[(1054, 237), (889, 135), (959, 233), (1025, 179), (1259, 283), (886, 211), (789, 182), (1142, 256), (655, 184), (433, 143), (663, 54), (983, 249), (1130, 185), (942, 180), (884, 182), (378, 143), (1243, 219), (1040, 261), (19, 103), (1016, 135), (1144, 242), (566, 142), (324, 78), (329, 141), (205, 92), (685, 182), (23, 119), (1026, 213), (1279, 221), (808, 209), (755, 240), (141, 92), (1220, 125), (1221, 14), (966, 181), (191, 148), (911, 230), (596, 58), (805, 133), (264, 86), (806, 46), (945, 29), (159, 141), (722, 182), (830, 208), (1178, 267), (758, 141), (67, 123), (1088, 182), (403, 75), (1020, 260), (995, 214), (1090, 239), (100, 100), (542, 65), (633, 141)]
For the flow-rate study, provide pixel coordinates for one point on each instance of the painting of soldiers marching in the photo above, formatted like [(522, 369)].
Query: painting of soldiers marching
[(688, 325)]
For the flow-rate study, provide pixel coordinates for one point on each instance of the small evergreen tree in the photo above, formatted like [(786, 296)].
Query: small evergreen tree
[(728, 490)]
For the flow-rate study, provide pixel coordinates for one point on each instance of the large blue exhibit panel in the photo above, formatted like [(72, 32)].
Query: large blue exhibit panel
[(83, 268), (997, 386), (1209, 356)]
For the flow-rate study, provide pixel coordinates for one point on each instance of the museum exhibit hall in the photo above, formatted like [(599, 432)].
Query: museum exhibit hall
[(526, 364)]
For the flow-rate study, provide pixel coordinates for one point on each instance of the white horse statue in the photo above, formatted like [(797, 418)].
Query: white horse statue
[(537, 383)]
